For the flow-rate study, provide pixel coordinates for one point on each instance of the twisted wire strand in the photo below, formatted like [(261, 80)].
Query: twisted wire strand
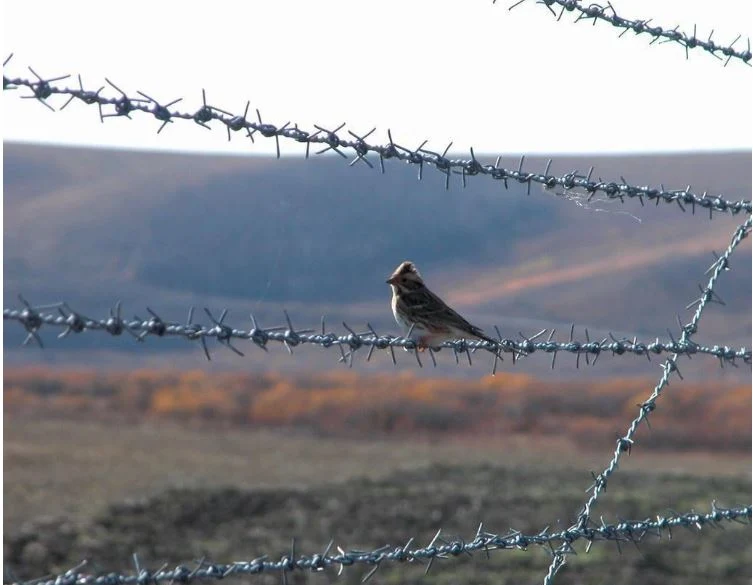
[(607, 13), (34, 318), (625, 443), (438, 549), (336, 141)]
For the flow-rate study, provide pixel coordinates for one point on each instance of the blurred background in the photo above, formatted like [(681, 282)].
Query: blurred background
[(113, 447), (93, 421)]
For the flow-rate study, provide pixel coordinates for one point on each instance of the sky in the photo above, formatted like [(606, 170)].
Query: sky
[(471, 72)]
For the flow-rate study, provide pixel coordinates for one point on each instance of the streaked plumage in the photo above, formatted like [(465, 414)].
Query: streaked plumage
[(413, 304)]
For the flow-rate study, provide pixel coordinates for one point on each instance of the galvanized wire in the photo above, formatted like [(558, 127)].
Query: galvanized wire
[(438, 549), (33, 318), (71, 321), (607, 13), (625, 443), (336, 141)]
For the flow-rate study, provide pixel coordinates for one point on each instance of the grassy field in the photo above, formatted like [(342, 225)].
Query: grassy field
[(172, 494)]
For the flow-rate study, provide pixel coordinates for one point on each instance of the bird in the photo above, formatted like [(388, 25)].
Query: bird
[(425, 317)]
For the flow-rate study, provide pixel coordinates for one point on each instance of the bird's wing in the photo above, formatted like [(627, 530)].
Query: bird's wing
[(428, 309)]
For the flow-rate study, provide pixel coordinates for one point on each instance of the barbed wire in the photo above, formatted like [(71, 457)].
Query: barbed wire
[(625, 443), (584, 529), (438, 549), (575, 180), (607, 13), (34, 318)]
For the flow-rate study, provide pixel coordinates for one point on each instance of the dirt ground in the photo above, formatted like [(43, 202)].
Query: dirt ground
[(172, 494)]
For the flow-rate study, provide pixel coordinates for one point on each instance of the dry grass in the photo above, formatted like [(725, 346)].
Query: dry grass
[(76, 468), (172, 494)]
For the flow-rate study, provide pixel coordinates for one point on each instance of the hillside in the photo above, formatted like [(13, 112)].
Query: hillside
[(317, 237)]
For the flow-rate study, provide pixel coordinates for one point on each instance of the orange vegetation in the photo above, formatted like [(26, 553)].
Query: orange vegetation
[(347, 403)]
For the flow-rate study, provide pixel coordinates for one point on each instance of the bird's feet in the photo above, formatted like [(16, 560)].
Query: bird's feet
[(422, 343), (426, 342)]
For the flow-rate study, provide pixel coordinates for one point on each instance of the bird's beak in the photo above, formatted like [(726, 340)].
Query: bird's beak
[(390, 280)]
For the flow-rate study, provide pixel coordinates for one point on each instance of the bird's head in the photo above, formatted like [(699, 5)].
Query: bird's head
[(406, 277)]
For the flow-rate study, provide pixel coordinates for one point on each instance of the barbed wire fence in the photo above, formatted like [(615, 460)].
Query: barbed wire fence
[(559, 544)]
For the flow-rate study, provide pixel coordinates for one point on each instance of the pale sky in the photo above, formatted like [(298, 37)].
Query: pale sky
[(465, 71)]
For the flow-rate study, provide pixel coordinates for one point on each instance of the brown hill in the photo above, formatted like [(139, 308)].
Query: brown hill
[(317, 237)]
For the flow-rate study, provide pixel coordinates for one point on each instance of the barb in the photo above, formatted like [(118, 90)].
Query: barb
[(625, 443), (660, 34), (438, 549), (34, 318), (123, 105)]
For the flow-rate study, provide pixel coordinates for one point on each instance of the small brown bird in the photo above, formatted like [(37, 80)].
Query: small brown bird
[(433, 322)]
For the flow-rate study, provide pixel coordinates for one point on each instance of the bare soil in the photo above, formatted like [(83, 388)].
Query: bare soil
[(172, 494)]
